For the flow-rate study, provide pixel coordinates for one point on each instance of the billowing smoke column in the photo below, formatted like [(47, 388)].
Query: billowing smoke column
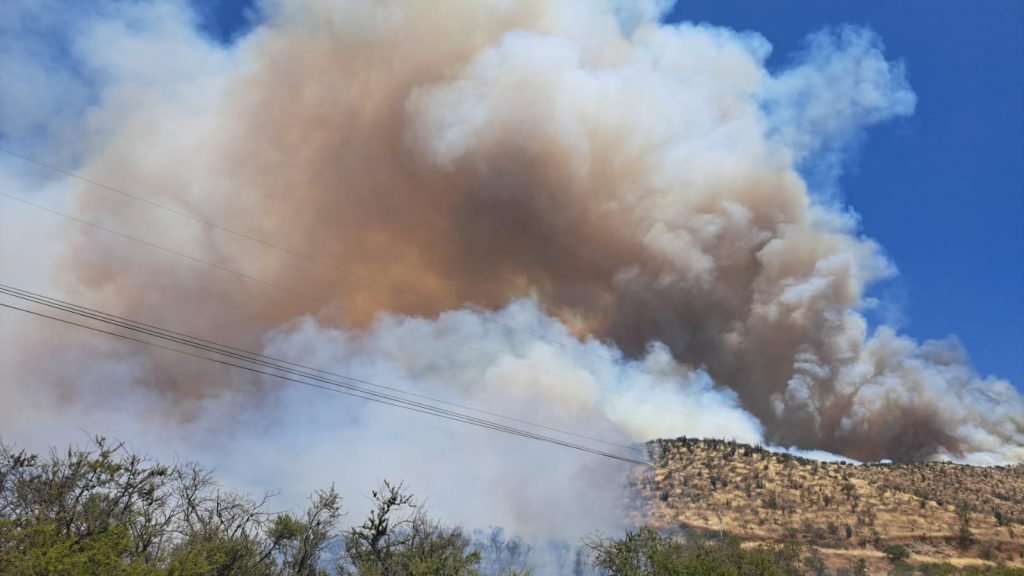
[(624, 194)]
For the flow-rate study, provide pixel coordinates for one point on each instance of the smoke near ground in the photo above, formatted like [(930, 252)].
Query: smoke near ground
[(601, 206)]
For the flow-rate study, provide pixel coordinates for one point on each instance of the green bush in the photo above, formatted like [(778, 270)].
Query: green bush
[(896, 552)]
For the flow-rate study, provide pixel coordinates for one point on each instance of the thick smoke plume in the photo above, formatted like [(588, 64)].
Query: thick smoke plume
[(587, 195)]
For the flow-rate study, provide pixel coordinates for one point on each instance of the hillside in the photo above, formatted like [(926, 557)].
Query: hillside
[(940, 512)]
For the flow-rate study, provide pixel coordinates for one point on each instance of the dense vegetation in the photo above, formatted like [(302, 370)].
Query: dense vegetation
[(107, 511)]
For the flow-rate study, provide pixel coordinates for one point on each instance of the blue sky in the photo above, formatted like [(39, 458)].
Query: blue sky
[(943, 190)]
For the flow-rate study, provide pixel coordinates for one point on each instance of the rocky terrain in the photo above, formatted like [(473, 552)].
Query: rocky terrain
[(939, 512)]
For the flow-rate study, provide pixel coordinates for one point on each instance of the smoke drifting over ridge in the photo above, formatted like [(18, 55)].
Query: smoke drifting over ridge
[(631, 188)]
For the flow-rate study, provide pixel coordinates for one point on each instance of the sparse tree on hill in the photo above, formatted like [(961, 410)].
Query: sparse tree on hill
[(964, 535)]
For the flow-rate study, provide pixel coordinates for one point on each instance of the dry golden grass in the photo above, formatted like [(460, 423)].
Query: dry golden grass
[(839, 507)]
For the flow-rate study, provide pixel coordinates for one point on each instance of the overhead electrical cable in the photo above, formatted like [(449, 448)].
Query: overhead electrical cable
[(262, 359), (349, 390)]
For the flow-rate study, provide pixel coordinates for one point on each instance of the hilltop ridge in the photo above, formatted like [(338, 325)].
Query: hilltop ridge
[(940, 512)]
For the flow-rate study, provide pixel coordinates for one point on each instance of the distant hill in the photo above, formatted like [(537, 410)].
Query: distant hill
[(940, 512)]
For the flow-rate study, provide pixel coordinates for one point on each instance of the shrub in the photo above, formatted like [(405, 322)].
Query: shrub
[(896, 552)]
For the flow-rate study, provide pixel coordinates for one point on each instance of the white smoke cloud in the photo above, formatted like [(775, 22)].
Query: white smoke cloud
[(839, 84), (586, 388)]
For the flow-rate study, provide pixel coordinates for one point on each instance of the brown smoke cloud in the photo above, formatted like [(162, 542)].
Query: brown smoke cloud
[(639, 181)]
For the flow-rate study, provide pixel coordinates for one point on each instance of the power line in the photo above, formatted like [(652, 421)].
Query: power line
[(333, 303), (327, 264), (349, 390), (262, 359)]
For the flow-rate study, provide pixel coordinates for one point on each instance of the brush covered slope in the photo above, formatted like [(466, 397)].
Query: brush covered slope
[(938, 512)]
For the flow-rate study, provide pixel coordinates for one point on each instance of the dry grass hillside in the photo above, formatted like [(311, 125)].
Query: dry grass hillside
[(940, 512)]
